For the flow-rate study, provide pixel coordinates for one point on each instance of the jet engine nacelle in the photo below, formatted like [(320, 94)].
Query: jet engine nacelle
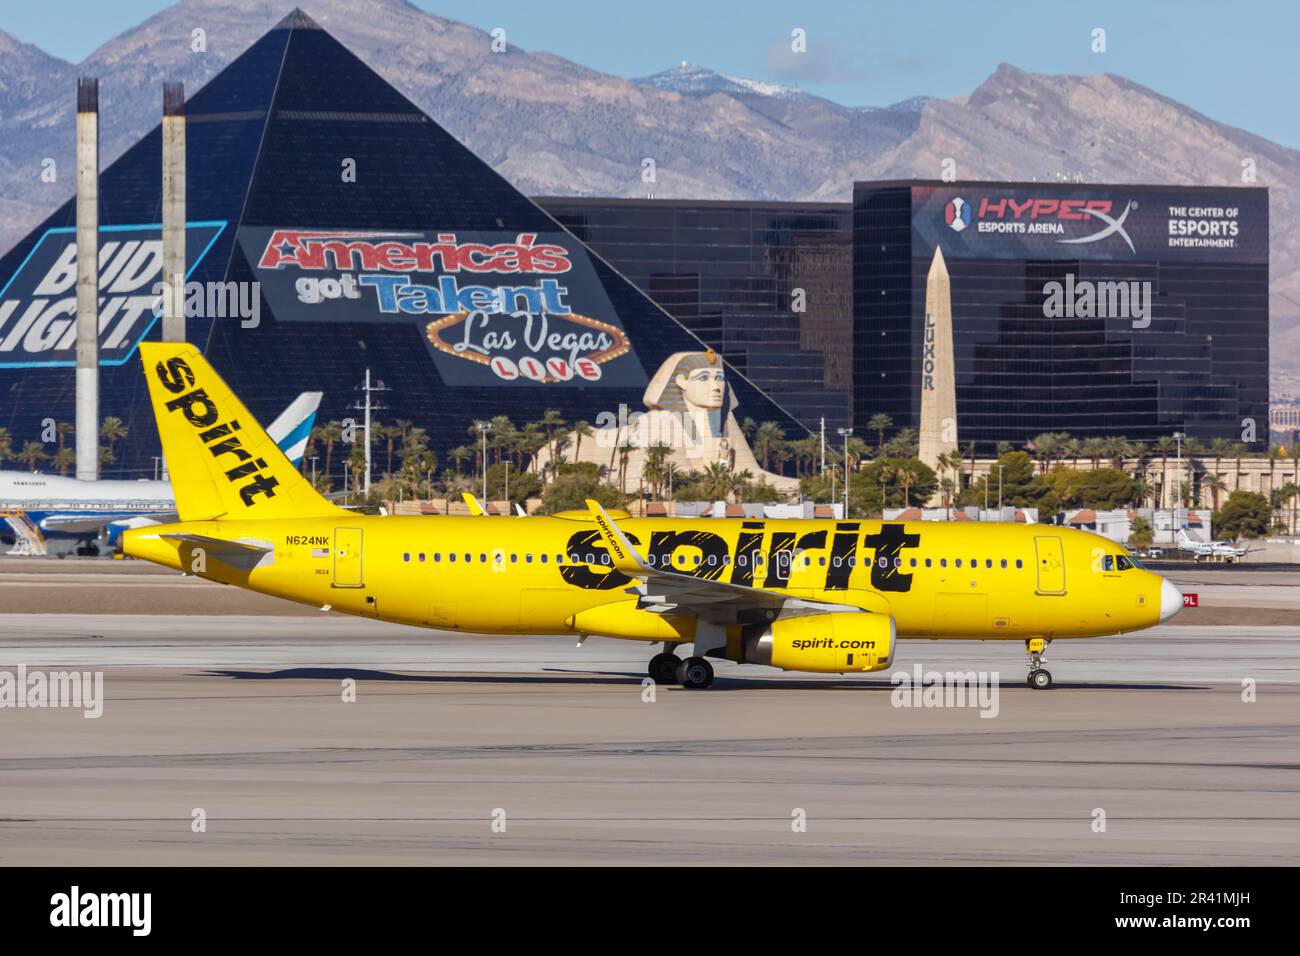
[(834, 643)]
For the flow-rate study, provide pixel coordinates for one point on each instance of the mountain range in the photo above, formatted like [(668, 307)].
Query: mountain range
[(554, 127)]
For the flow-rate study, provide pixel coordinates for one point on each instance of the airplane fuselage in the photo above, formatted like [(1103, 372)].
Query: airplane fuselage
[(544, 575)]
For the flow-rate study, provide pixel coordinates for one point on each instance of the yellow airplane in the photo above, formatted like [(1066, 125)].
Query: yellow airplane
[(820, 596)]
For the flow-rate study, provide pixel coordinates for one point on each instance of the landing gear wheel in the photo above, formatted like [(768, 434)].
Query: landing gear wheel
[(695, 673), (1038, 679), (663, 668)]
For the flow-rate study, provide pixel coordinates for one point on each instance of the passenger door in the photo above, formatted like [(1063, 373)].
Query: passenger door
[(347, 558), (1051, 564)]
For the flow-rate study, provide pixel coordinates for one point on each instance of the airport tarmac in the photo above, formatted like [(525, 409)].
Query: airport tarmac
[(243, 717)]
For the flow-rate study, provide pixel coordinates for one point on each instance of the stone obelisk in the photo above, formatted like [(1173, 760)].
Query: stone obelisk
[(938, 379)]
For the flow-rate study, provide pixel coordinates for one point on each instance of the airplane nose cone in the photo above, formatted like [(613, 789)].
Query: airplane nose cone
[(1171, 600)]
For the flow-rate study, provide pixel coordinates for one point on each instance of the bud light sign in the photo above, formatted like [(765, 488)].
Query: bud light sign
[(491, 308), (38, 303)]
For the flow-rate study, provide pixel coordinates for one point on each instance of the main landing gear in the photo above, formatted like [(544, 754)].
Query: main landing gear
[(693, 673), (1039, 677), (663, 668)]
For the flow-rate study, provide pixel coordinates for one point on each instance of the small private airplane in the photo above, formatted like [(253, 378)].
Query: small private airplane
[(1209, 550), (821, 596)]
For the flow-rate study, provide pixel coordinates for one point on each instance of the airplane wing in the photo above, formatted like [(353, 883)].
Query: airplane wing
[(664, 591), (72, 523), (244, 554)]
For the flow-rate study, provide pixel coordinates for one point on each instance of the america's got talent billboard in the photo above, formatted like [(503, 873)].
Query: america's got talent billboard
[(492, 308)]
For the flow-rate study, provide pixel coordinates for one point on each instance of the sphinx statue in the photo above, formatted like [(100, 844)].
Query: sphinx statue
[(690, 411)]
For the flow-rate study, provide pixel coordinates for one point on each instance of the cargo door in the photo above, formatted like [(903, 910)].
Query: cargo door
[(1051, 564), (347, 558)]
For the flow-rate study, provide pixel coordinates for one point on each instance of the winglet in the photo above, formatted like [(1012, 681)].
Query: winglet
[(621, 550), (471, 502)]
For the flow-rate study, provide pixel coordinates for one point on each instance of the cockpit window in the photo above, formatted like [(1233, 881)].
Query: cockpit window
[(1108, 562), (1124, 562)]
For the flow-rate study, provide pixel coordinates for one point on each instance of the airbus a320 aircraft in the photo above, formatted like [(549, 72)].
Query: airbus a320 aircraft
[(821, 596)]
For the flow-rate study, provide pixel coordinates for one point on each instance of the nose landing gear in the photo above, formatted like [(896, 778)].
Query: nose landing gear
[(1039, 677)]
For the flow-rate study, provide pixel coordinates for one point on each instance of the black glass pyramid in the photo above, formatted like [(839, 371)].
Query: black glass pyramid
[(377, 240)]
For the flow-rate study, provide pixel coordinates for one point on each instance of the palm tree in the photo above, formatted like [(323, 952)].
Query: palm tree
[(1290, 491), (64, 459), (1217, 486), (766, 437), (739, 482), (329, 434), (581, 430), (1093, 449), (880, 423), (946, 488), (459, 455), (111, 429), (715, 482), (552, 421), (1164, 445), (1274, 453), (1141, 490), (1073, 449), (32, 454), (390, 434), (6, 445)]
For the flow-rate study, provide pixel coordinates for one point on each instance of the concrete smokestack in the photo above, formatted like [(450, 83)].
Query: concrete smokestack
[(87, 423), (173, 210), (938, 379)]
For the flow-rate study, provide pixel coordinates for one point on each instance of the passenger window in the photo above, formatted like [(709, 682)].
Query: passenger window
[(957, 563), (1004, 562), (1018, 563), (927, 562), (437, 557), (514, 559), (407, 557), (988, 562), (943, 562), (543, 557), (914, 562), (451, 556), (422, 557), (822, 560), (469, 558), (528, 559)]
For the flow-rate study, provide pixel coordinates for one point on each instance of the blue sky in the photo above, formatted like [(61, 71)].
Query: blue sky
[(1236, 62)]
